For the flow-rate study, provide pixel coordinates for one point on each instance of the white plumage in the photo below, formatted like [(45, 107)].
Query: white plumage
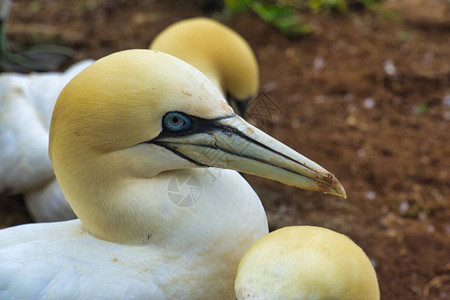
[(63, 261), (26, 105)]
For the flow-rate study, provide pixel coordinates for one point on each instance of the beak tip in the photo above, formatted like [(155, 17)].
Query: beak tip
[(336, 190), (333, 186), (340, 190)]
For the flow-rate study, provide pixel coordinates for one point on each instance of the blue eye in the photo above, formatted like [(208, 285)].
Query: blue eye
[(175, 121)]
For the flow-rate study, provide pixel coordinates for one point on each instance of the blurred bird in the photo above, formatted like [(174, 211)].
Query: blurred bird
[(122, 130), (26, 105), (29, 99), (218, 52), (306, 263)]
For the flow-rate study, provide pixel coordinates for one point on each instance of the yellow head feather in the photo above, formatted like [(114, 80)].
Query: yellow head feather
[(133, 89)]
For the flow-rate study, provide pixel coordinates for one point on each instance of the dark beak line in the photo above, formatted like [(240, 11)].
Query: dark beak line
[(215, 126), (234, 130), (166, 146)]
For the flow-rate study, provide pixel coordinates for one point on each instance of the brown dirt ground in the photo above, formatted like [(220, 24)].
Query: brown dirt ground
[(385, 136)]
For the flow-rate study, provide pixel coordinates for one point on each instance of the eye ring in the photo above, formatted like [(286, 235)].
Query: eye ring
[(176, 121)]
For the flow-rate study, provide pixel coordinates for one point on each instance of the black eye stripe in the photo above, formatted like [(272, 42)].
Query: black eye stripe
[(197, 125)]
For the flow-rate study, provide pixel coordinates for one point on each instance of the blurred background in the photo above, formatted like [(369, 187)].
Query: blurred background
[(360, 86)]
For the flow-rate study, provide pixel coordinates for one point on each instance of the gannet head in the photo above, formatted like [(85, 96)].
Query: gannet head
[(219, 52), (305, 262), (133, 115)]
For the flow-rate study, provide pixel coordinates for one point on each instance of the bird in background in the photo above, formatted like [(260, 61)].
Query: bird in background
[(26, 103), (307, 263), (121, 131)]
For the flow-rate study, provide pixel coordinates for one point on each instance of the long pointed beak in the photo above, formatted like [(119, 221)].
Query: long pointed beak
[(232, 143)]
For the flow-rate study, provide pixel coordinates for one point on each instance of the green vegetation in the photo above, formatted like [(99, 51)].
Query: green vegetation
[(282, 17), (283, 13)]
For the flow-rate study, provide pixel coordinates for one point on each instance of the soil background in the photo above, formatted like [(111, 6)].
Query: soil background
[(365, 96)]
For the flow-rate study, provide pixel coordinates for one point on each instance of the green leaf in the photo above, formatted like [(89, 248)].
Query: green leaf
[(270, 12), (236, 6), (280, 16)]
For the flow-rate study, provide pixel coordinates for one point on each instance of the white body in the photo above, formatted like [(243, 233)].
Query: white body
[(63, 261)]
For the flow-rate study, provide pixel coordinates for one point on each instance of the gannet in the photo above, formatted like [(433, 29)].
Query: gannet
[(124, 131), (229, 63), (219, 52), (306, 263)]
